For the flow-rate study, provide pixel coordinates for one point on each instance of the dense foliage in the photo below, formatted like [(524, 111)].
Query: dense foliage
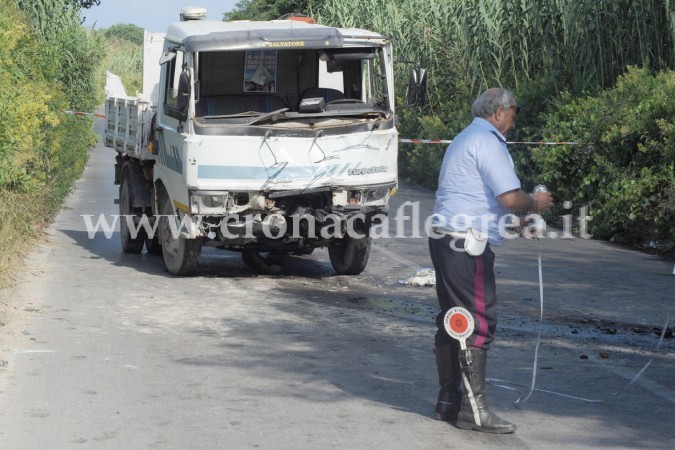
[(49, 64), (267, 9), (561, 58), (86, 4), (627, 174), (125, 32)]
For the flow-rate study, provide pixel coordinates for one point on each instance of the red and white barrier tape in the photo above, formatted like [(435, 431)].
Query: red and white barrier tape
[(445, 141), (78, 113), (402, 140)]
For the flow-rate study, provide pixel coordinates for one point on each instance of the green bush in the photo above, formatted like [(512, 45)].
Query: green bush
[(48, 65), (627, 174), (125, 32), (420, 163), (30, 108)]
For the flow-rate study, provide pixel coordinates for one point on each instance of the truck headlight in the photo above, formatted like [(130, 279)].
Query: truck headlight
[(206, 203), (377, 194)]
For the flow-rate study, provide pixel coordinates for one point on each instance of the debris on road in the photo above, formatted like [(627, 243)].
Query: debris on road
[(423, 277)]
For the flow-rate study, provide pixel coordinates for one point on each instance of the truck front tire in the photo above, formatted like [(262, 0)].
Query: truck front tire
[(349, 256), (181, 255)]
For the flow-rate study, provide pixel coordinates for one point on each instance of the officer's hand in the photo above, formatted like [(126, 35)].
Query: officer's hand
[(544, 201)]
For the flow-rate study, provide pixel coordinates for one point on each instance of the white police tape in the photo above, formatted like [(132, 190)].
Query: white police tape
[(541, 319), (445, 141), (401, 140), (79, 113)]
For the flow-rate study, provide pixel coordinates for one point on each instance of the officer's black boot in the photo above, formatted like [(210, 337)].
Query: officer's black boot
[(474, 413), (450, 379)]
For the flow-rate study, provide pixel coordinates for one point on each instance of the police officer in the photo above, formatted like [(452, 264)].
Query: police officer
[(477, 187)]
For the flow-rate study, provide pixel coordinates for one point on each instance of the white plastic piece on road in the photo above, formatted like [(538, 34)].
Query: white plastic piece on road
[(423, 277)]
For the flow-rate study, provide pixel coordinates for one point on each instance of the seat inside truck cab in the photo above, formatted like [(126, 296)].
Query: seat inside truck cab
[(327, 94)]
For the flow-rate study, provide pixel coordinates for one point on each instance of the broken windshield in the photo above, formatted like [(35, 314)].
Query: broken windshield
[(273, 85)]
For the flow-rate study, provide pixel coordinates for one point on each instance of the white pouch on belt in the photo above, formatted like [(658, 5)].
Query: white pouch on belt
[(475, 242)]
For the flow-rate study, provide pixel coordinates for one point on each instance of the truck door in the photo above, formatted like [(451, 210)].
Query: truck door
[(172, 127)]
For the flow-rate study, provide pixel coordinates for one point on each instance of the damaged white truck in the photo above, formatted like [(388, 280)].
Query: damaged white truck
[(267, 138)]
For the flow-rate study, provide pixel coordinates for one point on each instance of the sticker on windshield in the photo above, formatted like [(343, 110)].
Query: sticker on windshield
[(260, 72)]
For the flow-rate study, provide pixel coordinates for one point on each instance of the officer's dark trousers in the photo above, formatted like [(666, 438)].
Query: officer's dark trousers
[(466, 281)]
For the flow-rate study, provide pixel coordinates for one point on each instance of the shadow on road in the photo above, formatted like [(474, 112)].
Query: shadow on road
[(324, 350), (213, 262)]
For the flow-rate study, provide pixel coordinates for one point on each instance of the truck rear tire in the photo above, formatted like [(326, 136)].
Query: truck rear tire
[(349, 256), (129, 244), (181, 255)]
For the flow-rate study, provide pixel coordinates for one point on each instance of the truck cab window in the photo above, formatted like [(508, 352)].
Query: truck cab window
[(174, 69), (374, 81)]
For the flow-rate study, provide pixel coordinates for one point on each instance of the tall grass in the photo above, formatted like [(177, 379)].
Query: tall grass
[(576, 44), (124, 56), (551, 53), (125, 59), (50, 16)]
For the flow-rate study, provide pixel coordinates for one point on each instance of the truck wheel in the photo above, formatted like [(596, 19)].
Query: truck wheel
[(181, 255), (349, 256), (129, 244), (270, 263)]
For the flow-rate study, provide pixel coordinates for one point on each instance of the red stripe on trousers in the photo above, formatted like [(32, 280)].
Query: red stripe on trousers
[(479, 288)]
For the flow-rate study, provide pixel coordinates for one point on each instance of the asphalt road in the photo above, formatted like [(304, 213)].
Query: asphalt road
[(99, 349)]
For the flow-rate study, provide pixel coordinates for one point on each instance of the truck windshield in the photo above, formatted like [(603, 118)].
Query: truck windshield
[(256, 86)]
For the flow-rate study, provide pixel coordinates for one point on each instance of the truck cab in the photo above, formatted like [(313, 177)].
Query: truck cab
[(267, 138)]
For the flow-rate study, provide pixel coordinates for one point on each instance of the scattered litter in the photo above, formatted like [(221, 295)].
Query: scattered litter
[(423, 277)]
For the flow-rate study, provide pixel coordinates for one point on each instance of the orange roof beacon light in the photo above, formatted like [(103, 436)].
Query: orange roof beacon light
[(298, 17)]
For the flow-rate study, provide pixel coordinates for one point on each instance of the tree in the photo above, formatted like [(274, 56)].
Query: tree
[(127, 32), (85, 4), (267, 9)]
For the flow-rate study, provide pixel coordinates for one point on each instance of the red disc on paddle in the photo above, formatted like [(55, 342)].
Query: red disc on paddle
[(458, 323)]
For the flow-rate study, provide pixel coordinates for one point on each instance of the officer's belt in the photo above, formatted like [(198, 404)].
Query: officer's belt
[(455, 234)]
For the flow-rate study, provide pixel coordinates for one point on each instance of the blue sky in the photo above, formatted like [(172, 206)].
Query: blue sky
[(153, 15)]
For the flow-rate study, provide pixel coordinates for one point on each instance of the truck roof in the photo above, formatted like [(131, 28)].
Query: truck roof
[(211, 35)]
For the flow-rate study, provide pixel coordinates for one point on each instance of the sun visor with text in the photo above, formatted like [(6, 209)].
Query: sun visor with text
[(263, 39)]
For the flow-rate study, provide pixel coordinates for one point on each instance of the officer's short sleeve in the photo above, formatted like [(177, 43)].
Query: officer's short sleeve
[(496, 168)]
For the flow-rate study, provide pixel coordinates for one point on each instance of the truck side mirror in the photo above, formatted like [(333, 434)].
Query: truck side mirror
[(183, 98), (417, 87), (168, 56)]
